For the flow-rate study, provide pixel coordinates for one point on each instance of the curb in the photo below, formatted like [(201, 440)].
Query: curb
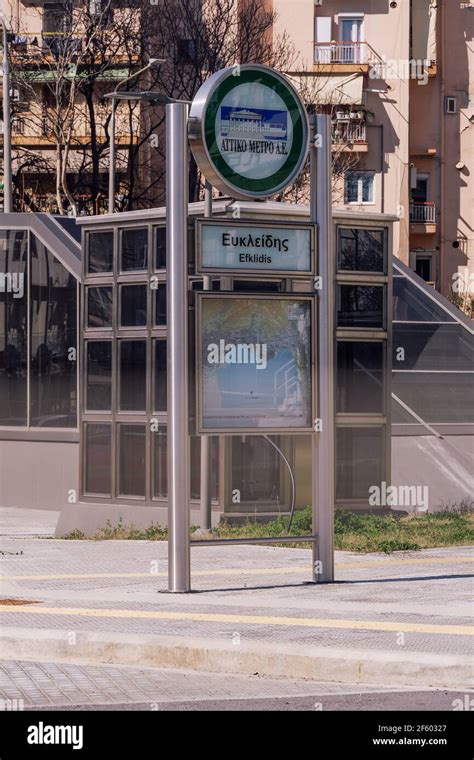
[(223, 656)]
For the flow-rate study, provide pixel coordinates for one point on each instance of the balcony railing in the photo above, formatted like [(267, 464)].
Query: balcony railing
[(423, 213), (349, 133), (344, 52)]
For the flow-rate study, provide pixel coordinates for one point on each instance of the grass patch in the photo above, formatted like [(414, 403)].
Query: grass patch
[(454, 526)]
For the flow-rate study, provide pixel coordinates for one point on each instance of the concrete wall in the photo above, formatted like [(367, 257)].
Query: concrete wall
[(38, 474)]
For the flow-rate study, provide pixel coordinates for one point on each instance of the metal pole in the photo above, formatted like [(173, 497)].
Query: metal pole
[(206, 506), (179, 579), (7, 141), (112, 159), (323, 458)]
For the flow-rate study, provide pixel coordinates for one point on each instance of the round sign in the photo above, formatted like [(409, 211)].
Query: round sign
[(248, 131)]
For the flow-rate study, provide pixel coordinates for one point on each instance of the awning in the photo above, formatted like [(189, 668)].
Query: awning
[(328, 89)]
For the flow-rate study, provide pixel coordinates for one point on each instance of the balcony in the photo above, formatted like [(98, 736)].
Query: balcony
[(338, 56), (350, 135), (423, 217)]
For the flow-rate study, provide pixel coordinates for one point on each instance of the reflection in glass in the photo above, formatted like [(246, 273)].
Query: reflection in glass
[(360, 306), (359, 384), (99, 306), (433, 347), (13, 327), (160, 463), (134, 249), (255, 469), (411, 304), (160, 243), (53, 303), (132, 375), (196, 466), (361, 250), (160, 305), (160, 376), (359, 461), (98, 458), (444, 397), (133, 305), (132, 460), (99, 375), (101, 252)]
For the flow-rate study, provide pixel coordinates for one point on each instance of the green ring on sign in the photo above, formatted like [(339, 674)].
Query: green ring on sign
[(284, 174)]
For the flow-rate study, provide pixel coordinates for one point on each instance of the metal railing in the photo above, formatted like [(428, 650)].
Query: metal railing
[(423, 213), (344, 52), (351, 132)]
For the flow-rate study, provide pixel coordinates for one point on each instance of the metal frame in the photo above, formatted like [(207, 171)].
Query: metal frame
[(256, 274), (233, 296)]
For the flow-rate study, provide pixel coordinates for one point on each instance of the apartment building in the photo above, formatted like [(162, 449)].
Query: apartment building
[(64, 56), (398, 77)]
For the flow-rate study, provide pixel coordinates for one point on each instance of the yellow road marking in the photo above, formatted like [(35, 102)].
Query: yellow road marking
[(245, 570), (208, 617)]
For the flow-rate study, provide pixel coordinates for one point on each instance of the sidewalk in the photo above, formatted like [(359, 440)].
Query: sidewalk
[(402, 619)]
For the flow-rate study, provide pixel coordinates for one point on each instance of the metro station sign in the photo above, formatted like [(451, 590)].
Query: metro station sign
[(257, 248), (248, 131)]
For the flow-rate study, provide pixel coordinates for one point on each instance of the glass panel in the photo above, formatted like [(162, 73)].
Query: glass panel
[(400, 416), (132, 467), (160, 248), (99, 375), (160, 305), (412, 304), (99, 307), (360, 306), (437, 398), (255, 469), (367, 188), (359, 384), (160, 463), (13, 327), (361, 250), (98, 458), (359, 461), (133, 305), (134, 243), (160, 376), (53, 388), (352, 187), (196, 467), (433, 347), (101, 252), (132, 375)]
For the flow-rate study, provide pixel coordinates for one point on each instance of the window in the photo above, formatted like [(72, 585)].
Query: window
[(359, 386), (133, 299), (160, 463), (134, 249), (38, 340), (160, 305), (423, 268), (98, 458), (451, 105), (187, 51), (132, 460), (53, 340), (100, 247), (133, 375), (99, 375), (99, 306), (362, 250), (160, 248), (359, 187), (359, 461), (360, 306), (13, 327), (160, 376)]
